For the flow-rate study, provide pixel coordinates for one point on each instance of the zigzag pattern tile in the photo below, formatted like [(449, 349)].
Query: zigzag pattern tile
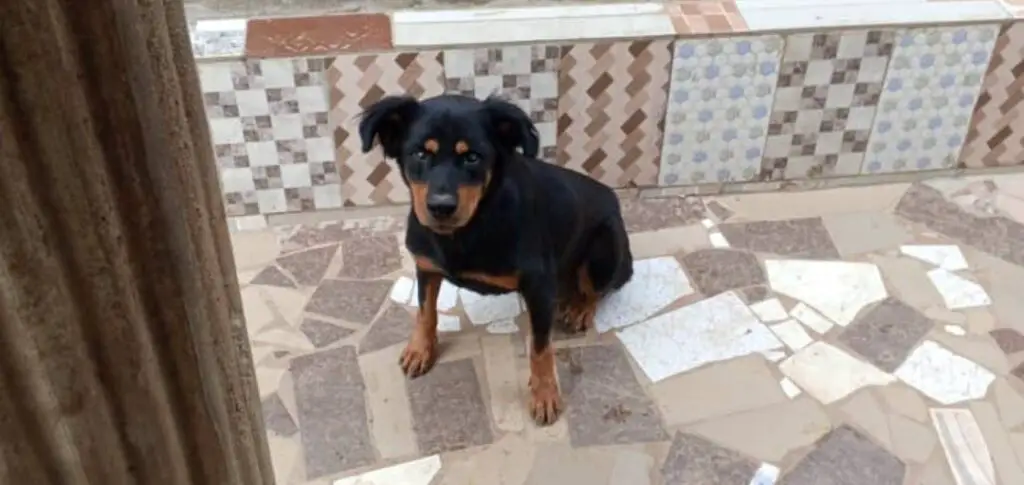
[(611, 105), (356, 82), (996, 136)]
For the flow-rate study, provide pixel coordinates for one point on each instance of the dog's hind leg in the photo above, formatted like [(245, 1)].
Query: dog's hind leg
[(607, 265)]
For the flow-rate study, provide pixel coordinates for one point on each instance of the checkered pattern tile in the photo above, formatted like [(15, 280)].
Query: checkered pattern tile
[(356, 82), (930, 91), (996, 135), (268, 121), (828, 91), (526, 75), (611, 106)]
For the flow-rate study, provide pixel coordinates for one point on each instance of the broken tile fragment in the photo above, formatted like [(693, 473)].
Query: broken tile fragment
[(656, 282), (801, 238), (1000, 446), (718, 240), (693, 459), (958, 292), (886, 333), (829, 374), (416, 472), (944, 376), (789, 388), (944, 256), (767, 474), (837, 289), (846, 457), (277, 418), (811, 319), (321, 333), (964, 446), (402, 291), (911, 441), (790, 424), (448, 409), (956, 330), (503, 327), (352, 301), (717, 270), (272, 276), (393, 327), (448, 323), (447, 297), (309, 266), (792, 334), (370, 257), (864, 410), (1010, 341), (718, 328), (484, 309), (865, 232), (1010, 404), (770, 310)]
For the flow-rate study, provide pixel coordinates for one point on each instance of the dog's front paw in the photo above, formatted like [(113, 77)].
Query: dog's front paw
[(418, 356), (545, 401)]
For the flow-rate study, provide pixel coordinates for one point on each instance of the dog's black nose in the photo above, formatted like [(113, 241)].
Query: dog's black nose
[(442, 206)]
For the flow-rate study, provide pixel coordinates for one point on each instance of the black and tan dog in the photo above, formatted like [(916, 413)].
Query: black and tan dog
[(488, 216)]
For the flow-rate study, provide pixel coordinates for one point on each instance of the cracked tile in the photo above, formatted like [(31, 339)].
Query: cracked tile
[(416, 472), (448, 409), (964, 446), (845, 457), (943, 256), (718, 328), (886, 333), (393, 327), (656, 283), (802, 238), (693, 459), (958, 292), (605, 404), (837, 289), (829, 374), (332, 412), (370, 257), (352, 301), (309, 266), (864, 232), (790, 425), (322, 334), (944, 376), (272, 276), (277, 418), (717, 270)]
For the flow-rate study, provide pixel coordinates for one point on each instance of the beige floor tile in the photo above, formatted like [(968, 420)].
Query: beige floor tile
[(935, 472), (506, 462), (864, 410), (912, 442), (632, 468), (268, 379), (864, 232), (286, 302), (770, 433), (1017, 441), (1008, 468), (255, 249), (1009, 403), (286, 391), (285, 454), (1011, 206), (387, 404), (964, 445), (671, 240), (507, 407), (981, 350), (258, 314), (980, 321), (908, 280), (738, 385), (616, 465), (793, 205), (905, 401)]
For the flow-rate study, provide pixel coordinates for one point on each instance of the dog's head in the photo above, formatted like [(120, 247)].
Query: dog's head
[(450, 149)]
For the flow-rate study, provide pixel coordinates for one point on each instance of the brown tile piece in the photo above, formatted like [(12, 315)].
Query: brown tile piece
[(605, 403), (648, 214), (306, 236), (886, 333), (693, 459), (1009, 340), (846, 457), (272, 276), (448, 409), (706, 17), (277, 417), (370, 257), (319, 35), (1018, 371), (720, 211), (799, 238), (331, 411), (714, 271), (322, 334), (391, 328), (352, 301), (998, 236), (755, 294), (308, 267)]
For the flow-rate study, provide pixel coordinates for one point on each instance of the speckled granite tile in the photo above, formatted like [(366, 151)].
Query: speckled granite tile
[(448, 409), (278, 420), (272, 276), (370, 257), (694, 460), (714, 271), (805, 238), (309, 266), (886, 333), (846, 457), (352, 301), (393, 327), (322, 334)]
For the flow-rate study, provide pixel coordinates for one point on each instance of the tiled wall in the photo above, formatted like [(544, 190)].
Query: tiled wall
[(635, 100)]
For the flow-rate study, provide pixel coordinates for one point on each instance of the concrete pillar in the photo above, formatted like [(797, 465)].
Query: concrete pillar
[(123, 352)]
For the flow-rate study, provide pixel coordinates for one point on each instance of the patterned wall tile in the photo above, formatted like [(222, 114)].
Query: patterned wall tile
[(996, 136), (527, 75), (611, 106), (930, 91), (718, 109), (828, 91), (706, 17), (268, 121), (356, 82)]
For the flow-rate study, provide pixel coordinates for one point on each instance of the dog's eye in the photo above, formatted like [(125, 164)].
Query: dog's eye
[(471, 158), (420, 155)]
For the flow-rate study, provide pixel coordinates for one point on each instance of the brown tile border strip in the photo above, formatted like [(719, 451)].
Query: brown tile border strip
[(706, 17), (318, 35)]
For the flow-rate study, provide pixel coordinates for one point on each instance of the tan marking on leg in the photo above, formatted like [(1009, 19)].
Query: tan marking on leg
[(508, 282), (545, 398), (577, 310), (421, 351), (425, 264)]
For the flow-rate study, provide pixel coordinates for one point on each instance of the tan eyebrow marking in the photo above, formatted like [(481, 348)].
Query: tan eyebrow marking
[(461, 147), (431, 145)]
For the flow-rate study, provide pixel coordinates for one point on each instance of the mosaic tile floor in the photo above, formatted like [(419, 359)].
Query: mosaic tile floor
[(844, 337)]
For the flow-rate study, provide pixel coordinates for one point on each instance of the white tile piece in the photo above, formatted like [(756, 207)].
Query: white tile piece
[(448, 323), (447, 296), (707, 223), (811, 319), (767, 474), (944, 376), (789, 388), (503, 327), (955, 330), (770, 310), (718, 328), (401, 291), (764, 15), (718, 240), (453, 28), (958, 292), (417, 472), (484, 309), (830, 374), (944, 256), (774, 355), (656, 282), (792, 334), (837, 289), (964, 445)]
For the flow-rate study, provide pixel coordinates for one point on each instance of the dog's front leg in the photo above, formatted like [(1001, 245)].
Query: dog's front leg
[(540, 292), (419, 355)]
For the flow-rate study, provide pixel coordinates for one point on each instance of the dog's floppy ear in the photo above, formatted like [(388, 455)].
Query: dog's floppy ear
[(512, 127), (388, 120)]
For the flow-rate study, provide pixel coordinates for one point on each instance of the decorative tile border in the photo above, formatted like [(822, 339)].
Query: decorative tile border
[(218, 38), (706, 17), (996, 136), (319, 35), (782, 15)]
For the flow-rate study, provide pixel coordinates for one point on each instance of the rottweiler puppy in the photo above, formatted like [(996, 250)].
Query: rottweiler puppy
[(488, 216)]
